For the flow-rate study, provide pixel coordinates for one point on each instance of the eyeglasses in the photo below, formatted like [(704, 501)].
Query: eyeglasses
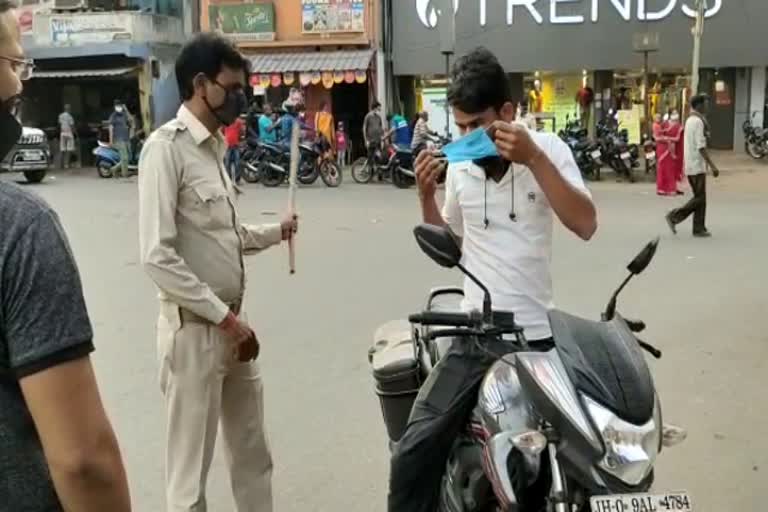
[(22, 67)]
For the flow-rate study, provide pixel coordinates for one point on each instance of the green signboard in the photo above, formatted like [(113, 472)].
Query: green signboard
[(255, 22)]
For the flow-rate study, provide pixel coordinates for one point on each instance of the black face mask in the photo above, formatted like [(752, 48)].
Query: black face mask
[(234, 104), (10, 127)]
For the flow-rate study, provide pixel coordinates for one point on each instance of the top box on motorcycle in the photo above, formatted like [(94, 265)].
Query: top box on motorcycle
[(395, 367)]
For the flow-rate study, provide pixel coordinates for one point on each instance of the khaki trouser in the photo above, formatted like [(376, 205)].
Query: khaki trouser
[(204, 386)]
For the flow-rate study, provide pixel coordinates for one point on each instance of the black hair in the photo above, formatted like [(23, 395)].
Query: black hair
[(206, 53), (478, 82), (6, 5), (698, 101), (375, 105)]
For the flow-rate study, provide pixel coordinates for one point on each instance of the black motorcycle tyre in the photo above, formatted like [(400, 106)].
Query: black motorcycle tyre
[(330, 173), (270, 177), (753, 150), (360, 171), (104, 169)]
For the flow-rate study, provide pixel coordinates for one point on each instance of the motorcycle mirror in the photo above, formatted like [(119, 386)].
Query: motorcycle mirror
[(439, 244), (644, 257)]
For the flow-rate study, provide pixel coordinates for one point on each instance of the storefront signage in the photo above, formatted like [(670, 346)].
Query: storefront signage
[(329, 16), (580, 11), (77, 30), (243, 22)]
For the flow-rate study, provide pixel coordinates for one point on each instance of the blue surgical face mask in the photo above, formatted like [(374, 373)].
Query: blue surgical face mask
[(476, 145)]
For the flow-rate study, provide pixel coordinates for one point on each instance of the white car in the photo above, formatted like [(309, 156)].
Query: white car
[(31, 155)]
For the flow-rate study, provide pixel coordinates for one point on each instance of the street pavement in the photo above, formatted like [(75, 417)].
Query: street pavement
[(358, 267)]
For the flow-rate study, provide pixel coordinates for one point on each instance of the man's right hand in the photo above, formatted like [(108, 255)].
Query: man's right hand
[(235, 329), (428, 169)]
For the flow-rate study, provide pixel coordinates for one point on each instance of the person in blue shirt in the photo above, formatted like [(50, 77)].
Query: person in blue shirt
[(285, 125), (401, 132), (267, 132)]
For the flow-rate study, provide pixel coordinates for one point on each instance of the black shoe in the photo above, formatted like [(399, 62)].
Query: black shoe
[(702, 234), (671, 223)]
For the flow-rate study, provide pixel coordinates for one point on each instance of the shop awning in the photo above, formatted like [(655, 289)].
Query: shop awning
[(82, 73), (286, 62)]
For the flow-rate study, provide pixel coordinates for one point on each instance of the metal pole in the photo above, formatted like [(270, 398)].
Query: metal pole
[(646, 106), (447, 106), (698, 30)]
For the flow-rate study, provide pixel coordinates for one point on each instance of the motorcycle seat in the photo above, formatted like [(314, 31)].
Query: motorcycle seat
[(605, 362)]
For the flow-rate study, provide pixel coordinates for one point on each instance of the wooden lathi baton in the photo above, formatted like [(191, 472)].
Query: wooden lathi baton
[(294, 170)]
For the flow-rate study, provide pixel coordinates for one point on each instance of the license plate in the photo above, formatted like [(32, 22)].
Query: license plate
[(596, 154), (626, 156), (32, 156), (650, 156), (674, 501)]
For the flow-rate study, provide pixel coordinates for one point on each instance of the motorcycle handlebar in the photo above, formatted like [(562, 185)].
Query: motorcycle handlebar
[(447, 319)]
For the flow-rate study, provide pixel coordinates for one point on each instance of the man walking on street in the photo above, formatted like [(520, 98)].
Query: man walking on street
[(119, 137), (192, 246), (373, 133), (696, 159), (57, 448), (66, 137)]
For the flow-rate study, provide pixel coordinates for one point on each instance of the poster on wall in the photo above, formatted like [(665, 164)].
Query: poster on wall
[(332, 16), (243, 22), (433, 102), (630, 120)]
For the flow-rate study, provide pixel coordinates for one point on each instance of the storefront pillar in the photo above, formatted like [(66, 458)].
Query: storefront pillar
[(757, 95)]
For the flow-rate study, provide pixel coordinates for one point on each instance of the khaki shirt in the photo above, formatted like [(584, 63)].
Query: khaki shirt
[(190, 235)]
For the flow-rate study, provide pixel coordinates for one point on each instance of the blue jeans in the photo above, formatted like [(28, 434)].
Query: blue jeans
[(232, 163)]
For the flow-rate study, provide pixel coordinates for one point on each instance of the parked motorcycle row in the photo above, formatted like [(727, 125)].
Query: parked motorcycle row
[(611, 147), (576, 428), (269, 163), (392, 163), (755, 139)]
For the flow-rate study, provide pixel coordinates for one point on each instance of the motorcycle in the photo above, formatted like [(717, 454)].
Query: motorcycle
[(380, 167), (755, 139), (401, 162), (314, 161), (577, 428), (618, 153), (587, 154), (649, 149), (106, 156)]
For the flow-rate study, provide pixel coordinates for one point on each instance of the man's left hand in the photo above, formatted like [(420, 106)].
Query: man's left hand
[(514, 143), (247, 350), (289, 226)]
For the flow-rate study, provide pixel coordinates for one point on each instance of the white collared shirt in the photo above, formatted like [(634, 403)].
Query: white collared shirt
[(512, 258)]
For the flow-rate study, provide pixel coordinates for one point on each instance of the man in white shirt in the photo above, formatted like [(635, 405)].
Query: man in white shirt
[(696, 159), (503, 214), (67, 136)]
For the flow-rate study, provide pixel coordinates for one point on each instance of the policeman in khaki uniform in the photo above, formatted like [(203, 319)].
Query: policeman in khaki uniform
[(192, 247)]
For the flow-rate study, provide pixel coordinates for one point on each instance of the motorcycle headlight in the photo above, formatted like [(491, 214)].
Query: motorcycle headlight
[(630, 450)]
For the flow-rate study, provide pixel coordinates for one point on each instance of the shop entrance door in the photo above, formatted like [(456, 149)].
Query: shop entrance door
[(721, 87), (350, 104)]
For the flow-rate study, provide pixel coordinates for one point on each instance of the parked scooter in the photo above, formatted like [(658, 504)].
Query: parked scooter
[(755, 139), (108, 157), (576, 428)]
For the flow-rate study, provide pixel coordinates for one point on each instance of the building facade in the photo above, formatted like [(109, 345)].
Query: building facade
[(88, 53), (555, 49), (321, 50)]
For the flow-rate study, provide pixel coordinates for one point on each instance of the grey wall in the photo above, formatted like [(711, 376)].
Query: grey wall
[(734, 36)]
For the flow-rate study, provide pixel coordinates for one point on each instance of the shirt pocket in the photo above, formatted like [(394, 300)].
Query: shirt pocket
[(211, 207)]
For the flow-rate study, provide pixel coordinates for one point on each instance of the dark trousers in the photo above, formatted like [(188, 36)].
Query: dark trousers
[(232, 163), (441, 410), (374, 148), (697, 206)]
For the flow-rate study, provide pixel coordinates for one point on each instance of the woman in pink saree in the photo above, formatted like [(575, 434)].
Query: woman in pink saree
[(669, 155), (662, 156)]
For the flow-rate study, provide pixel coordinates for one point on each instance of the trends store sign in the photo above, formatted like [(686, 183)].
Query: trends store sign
[(568, 11), (571, 35)]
